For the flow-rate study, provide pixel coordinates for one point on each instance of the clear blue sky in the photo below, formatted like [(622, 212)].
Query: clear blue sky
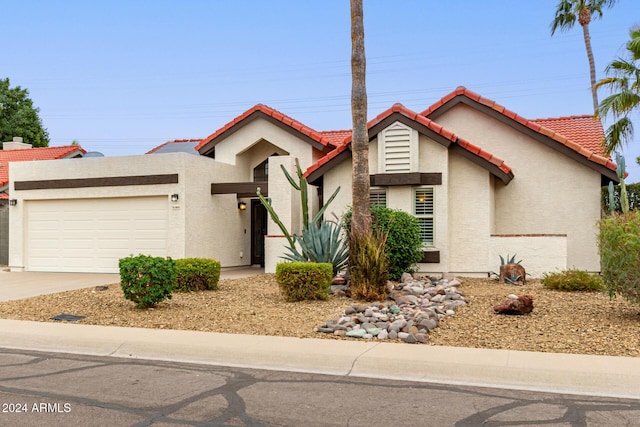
[(124, 76)]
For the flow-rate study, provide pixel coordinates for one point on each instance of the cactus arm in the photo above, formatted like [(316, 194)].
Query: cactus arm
[(620, 170), (324, 207), (304, 195), (275, 217), (289, 178)]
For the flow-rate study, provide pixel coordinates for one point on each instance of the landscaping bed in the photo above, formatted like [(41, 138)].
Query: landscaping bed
[(561, 322)]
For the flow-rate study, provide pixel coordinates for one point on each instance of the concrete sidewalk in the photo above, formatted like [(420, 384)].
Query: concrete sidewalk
[(559, 373)]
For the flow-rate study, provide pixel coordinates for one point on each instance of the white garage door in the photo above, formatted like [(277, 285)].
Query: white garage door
[(91, 235)]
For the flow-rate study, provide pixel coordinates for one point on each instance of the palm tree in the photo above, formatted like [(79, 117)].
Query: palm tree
[(624, 84), (567, 12), (361, 219)]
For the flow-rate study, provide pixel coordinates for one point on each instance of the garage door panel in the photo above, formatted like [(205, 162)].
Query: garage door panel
[(91, 235)]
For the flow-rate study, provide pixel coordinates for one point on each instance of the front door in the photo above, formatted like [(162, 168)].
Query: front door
[(258, 231)]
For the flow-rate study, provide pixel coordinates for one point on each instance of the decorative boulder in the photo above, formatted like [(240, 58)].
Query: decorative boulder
[(522, 304)]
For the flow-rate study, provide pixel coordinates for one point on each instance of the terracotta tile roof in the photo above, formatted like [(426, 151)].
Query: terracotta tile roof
[(557, 131), (584, 130), (276, 115), (175, 141), (336, 137), (401, 109), (46, 153)]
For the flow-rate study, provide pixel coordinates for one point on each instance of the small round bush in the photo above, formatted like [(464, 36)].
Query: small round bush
[(147, 280), (572, 281), (303, 281), (197, 274)]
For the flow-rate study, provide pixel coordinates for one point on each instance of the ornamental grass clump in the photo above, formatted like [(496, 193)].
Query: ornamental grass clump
[(301, 281), (572, 280), (403, 244), (197, 274), (368, 266), (147, 280)]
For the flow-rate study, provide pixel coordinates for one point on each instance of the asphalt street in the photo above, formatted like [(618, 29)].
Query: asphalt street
[(58, 389)]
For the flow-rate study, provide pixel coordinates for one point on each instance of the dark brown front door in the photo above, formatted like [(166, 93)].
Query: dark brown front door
[(258, 231)]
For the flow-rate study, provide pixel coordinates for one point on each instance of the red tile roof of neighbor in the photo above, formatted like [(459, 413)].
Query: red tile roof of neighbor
[(401, 109), (153, 150), (23, 155), (270, 112), (562, 130)]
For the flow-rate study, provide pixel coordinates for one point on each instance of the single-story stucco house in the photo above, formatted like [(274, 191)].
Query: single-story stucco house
[(483, 181)]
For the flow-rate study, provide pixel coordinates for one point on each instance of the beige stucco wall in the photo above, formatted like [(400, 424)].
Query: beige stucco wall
[(255, 132), (469, 216), (539, 254), (550, 194)]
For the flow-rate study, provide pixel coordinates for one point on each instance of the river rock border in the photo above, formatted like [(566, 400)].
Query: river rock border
[(413, 308)]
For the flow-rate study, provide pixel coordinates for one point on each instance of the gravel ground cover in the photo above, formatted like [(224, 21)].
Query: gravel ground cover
[(561, 322)]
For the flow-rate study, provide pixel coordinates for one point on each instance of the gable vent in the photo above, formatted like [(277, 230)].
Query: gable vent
[(397, 147)]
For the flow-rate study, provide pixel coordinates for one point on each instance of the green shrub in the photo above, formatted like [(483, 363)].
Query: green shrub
[(300, 281), (403, 246), (572, 280), (368, 267), (147, 280), (619, 245), (197, 274)]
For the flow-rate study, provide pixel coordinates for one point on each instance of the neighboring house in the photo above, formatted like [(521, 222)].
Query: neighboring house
[(482, 180), (17, 151)]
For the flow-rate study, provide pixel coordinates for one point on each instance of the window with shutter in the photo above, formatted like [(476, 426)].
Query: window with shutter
[(378, 197), (423, 208)]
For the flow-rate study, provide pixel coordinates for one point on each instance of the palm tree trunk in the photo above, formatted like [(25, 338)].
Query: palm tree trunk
[(361, 219), (592, 65)]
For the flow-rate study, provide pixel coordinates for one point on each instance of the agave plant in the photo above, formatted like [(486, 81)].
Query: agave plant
[(320, 243), (507, 260)]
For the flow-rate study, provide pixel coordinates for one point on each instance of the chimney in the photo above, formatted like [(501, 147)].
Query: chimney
[(16, 144)]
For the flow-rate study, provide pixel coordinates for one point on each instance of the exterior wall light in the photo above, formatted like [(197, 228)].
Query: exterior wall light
[(13, 202), (174, 197), (242, 206)]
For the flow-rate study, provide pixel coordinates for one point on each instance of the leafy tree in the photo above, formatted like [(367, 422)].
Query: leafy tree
[(567, 12), (18, 116), (624, 84)]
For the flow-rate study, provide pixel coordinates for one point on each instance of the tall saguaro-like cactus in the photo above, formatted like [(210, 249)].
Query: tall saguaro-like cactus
[(620, 170), (319, 241)]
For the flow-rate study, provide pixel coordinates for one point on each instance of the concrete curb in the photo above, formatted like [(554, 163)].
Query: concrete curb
[(549, 372)]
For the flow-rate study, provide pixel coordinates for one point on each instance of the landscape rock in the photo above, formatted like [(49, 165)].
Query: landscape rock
[(412, 309), (522, 304)]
